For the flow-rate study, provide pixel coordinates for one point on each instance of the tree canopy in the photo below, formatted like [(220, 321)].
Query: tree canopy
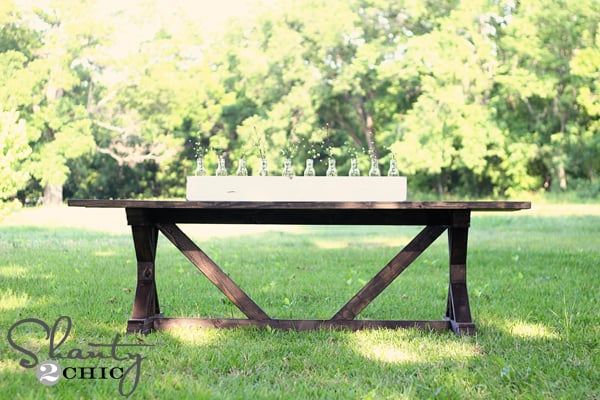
[(473, 98)]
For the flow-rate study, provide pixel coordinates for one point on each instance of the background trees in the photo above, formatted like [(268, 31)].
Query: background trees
[(474, 98)]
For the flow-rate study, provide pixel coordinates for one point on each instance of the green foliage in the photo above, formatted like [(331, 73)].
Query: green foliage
[(13, 152), (477, 98)]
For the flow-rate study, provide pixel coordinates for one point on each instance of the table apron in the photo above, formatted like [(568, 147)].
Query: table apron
[(143, 216)]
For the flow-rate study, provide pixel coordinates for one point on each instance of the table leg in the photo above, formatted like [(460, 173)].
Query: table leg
[(145, 304), (458, 311), (390, 272)]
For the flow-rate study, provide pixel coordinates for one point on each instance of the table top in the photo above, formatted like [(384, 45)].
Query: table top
[(304, 205)]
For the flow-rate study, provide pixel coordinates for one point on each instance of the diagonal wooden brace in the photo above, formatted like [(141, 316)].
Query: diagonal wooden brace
[(390, 272), (212, 271)]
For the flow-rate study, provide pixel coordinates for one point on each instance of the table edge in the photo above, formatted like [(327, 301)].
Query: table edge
[(299, 205)]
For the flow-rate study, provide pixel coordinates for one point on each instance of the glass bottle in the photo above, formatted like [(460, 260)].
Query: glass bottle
[(221, 169), (200, 170), (241, 170), (331, 170), (374, 171), (310, 169), (287, 168), (393, 171), (264, 168), (354, 171)]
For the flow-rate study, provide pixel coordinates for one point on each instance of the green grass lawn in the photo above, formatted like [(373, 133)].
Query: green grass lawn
[(534, 281)]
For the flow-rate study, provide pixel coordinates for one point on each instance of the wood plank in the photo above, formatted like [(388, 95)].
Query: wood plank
[(212, 271), (298, 325), (305, 205), (145, 302), (458, 309), (298, 213), (390, 272), (322, 216)]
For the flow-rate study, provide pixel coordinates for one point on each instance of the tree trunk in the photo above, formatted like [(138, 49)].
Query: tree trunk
[(562, 177), (440, 184), (53, 195), (367, 119), (370, 136)]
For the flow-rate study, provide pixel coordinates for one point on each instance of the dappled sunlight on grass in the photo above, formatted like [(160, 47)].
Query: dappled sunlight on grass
[(13, 271), (389, 354), (10, 300), (395, 347), (392, 241), (196, 337), (519, 328), (530, 330), (104, 253), (10, 366)]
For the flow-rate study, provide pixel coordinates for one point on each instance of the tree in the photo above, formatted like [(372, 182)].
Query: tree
[(17, 88), (152, 104), (450, 127), (14, 149), (538, 94), (473, 97), (585, 65), (60, 128)]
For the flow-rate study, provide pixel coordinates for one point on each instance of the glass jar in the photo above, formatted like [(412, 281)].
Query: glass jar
[(354, 171), (221, 169), (264, 168), (287, 168), (393, 171), (241, 170), (331, 170), (200, 170), (374, 171), (310, 169)]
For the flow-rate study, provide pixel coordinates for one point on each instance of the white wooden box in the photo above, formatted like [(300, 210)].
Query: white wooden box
[(297, 188)]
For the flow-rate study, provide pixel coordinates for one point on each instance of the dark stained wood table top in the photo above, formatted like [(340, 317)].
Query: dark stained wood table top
[(281, 205)]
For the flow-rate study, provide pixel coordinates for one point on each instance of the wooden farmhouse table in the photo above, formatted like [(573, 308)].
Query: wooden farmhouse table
[(148, 217)]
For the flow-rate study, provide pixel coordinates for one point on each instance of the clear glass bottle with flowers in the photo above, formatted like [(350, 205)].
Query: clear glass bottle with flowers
[(331, 168), (310, 169), (312, 154), (287, 168), (263, 166), (374, 170), (374, 159), (354, 171), (200, 153), (221, 168), (328, 149), (393, 171), (288, 152), (353, 151), (241, 169), (263, 169)]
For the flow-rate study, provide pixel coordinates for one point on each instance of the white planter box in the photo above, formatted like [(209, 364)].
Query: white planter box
[(297, 188)]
